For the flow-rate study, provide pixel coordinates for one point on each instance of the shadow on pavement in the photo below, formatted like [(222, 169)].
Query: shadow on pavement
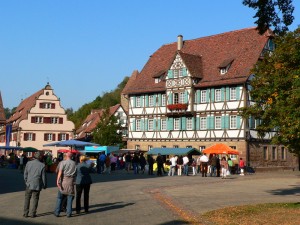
[(28, 221), (292, 191)]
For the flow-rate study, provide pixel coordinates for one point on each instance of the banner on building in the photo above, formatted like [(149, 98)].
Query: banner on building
[(8, 132)]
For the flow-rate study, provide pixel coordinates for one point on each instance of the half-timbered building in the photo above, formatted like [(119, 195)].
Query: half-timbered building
[(189, 94)]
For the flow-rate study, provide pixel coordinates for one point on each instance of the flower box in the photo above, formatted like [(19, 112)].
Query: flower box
[(178, 106)]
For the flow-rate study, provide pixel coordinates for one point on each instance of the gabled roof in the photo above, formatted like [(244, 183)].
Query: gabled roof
[(92, 120), (193, 64), (23, 109), (205, 55)]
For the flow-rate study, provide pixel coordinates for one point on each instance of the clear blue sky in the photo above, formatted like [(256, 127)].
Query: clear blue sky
[(86, 47)]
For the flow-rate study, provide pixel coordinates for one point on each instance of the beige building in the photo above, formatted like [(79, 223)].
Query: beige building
[(39, 119)]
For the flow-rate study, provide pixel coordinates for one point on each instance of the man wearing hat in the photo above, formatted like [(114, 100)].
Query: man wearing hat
[(35, 180)]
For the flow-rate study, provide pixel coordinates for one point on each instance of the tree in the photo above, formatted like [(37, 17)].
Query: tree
[(276, 92), (107, 132), (272, 13)]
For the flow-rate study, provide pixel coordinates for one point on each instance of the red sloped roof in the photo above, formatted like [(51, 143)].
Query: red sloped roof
[(208, 53)]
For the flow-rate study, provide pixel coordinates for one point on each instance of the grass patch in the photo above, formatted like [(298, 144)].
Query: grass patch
[(269, 213)]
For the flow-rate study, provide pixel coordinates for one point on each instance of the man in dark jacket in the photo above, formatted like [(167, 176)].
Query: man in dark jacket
[(35, 180)]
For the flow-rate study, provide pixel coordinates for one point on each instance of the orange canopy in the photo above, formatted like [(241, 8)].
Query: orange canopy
[(220, 149)]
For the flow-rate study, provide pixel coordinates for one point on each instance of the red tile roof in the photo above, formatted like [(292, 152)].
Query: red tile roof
[(2, 112), (203, 57), (22, 110), (92, 120)]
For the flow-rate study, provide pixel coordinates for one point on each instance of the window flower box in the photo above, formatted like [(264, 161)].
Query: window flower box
[(178, 106)]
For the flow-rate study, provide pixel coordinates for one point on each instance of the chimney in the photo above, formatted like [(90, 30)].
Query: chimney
[(179, 42)]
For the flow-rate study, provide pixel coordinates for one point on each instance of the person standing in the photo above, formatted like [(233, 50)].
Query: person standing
[(21, 163), (224, 167), (204, 164), (213, 165), (35, 180), (186, 165), (230, 165), (160, 164), (173, 161), (65, 183), (143, 162), (83, 183), (179, 164), (242, 166), (150, 164)]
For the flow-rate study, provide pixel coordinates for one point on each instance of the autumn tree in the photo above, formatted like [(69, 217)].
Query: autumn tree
[(108, 130), (277, 14), (276, 92)]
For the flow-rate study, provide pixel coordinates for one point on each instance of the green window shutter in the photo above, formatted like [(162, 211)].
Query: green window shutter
[(134, 101), (238, 122), (154, 124), (208, 120), (222, 122), (251, 122), (207, 95), (212, 94), (198, 96), (183, 123), (211, 122), (133, 125), (227, 94), (238, 93), (170, 124), (170, 73), (184, 72), (142, 100), (146, 100), (142, 125), (158, 124), (193, 123), (170, 99), (145, 124), (186, 95), (197, 123), (155, 100), (159, 100), (222, 94), (227, 118)]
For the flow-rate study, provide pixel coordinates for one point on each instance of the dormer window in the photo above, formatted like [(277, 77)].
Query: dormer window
[(225, 65)]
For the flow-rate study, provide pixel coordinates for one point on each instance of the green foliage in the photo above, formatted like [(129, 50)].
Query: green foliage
[(272, 13), (107, 131), (276, 92), (9, 112), (107, 100)]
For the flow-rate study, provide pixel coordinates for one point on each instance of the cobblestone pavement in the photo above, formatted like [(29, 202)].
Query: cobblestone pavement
[(121, 198)]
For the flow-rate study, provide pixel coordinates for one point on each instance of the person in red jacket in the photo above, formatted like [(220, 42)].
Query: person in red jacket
[(242, 166)]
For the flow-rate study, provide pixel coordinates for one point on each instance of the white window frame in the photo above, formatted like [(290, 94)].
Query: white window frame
[(29, 136), (54, 120), (63, 137), (203, 123), (218, 122), (181, 97), (138, 125), (233, 122), (150, 124), (232, 93), (163, 99), (138, 101), (163, 124), (151, 100), (203, 96), (218, 95), (49, 137), (39, 119), (189, 123), (176, 123)]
